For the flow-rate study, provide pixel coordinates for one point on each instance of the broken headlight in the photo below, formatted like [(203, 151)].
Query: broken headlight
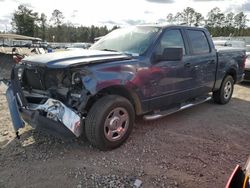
[(20, 71), (76, 78)]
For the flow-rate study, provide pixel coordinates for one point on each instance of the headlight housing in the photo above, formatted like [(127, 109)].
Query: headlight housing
[(76, 78), (20, 71)]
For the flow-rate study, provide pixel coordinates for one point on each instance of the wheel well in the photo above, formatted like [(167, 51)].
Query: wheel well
[(117, 90), (232, 73)]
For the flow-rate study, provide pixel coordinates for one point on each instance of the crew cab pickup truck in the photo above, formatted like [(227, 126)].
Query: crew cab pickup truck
[(148, 71)]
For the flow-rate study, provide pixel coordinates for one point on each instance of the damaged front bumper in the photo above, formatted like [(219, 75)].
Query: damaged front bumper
[(52, 116)]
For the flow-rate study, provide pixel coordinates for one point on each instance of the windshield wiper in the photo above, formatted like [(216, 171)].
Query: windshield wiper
[(109, 50)]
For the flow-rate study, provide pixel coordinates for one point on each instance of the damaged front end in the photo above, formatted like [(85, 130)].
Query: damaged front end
[(48, 99)]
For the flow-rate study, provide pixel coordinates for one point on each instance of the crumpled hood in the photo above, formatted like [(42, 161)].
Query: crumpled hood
[(74, 58)]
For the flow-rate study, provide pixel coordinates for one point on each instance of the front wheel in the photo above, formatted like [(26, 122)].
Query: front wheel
[(224, 94), (109, 122)]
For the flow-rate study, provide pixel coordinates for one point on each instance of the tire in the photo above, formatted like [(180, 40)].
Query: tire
[(109, 122), (224, 94)]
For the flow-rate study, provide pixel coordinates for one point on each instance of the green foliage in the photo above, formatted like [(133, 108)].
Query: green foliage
[(43, 26), (27, 22), (217, 22), (240, 20), (198, 19), (170, 18), (69, 33), (24, 21), (215, 18), (227, 25), (187, 17), (57, 17)]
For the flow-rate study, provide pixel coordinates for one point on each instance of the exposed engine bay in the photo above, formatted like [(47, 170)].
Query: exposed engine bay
[(54, 92), (57, 94)]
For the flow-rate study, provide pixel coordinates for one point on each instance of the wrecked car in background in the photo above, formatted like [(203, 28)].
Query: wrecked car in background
[(145, 70), (13, 48), (7, 62)]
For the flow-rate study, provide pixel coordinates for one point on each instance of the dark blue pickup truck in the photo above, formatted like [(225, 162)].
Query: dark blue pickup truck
[(144, 70)]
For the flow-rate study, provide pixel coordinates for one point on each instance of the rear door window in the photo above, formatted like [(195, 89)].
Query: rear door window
[(198, 42)]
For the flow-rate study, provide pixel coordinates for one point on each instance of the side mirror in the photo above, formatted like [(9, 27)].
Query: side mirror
[(171, 54)]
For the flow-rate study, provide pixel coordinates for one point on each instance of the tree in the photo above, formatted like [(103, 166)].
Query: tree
[(57, 21), (178, 18), (198, 19), (24, 21), (43, 20), (57, 17), (240, 20), (93, 32), (114, 28), (170, 18), (27, 22), (229, 20), (188, 16), (215, 18)]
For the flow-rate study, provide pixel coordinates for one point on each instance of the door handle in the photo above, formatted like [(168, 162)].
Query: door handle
[(187, 65), (212, 62)]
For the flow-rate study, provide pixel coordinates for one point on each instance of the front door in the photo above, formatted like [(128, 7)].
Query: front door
[(172, 82)]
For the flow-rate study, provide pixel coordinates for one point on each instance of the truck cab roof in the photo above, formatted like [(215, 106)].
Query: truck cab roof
[(172, 26)]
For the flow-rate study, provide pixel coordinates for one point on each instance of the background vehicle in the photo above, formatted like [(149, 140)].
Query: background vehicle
[(230, 43), (145, 70), (78, 46)]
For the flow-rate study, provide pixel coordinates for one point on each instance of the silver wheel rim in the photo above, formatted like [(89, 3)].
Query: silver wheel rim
[(228, 90), (116, 124)]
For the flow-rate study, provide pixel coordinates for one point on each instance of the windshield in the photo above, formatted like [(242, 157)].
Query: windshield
[(132, 40)]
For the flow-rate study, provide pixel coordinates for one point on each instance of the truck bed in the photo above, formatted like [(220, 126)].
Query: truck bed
[(229, 49)]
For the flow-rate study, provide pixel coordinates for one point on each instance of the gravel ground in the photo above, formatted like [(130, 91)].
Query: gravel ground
[(198, 147)]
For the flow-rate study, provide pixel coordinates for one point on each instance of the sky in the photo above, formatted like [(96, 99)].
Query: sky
[(116, 12)]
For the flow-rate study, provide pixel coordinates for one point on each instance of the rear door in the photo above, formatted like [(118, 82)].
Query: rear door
[(203, 58)]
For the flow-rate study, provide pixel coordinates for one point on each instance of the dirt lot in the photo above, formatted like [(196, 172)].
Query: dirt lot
[(198, 147)]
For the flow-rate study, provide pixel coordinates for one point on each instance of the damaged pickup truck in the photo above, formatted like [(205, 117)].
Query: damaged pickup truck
[(144, 70)]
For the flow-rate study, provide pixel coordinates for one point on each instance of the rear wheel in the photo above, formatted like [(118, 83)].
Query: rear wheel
[(109, 122), (224, 94)]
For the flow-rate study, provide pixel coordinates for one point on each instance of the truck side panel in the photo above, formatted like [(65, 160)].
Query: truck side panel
[(230, 61)]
